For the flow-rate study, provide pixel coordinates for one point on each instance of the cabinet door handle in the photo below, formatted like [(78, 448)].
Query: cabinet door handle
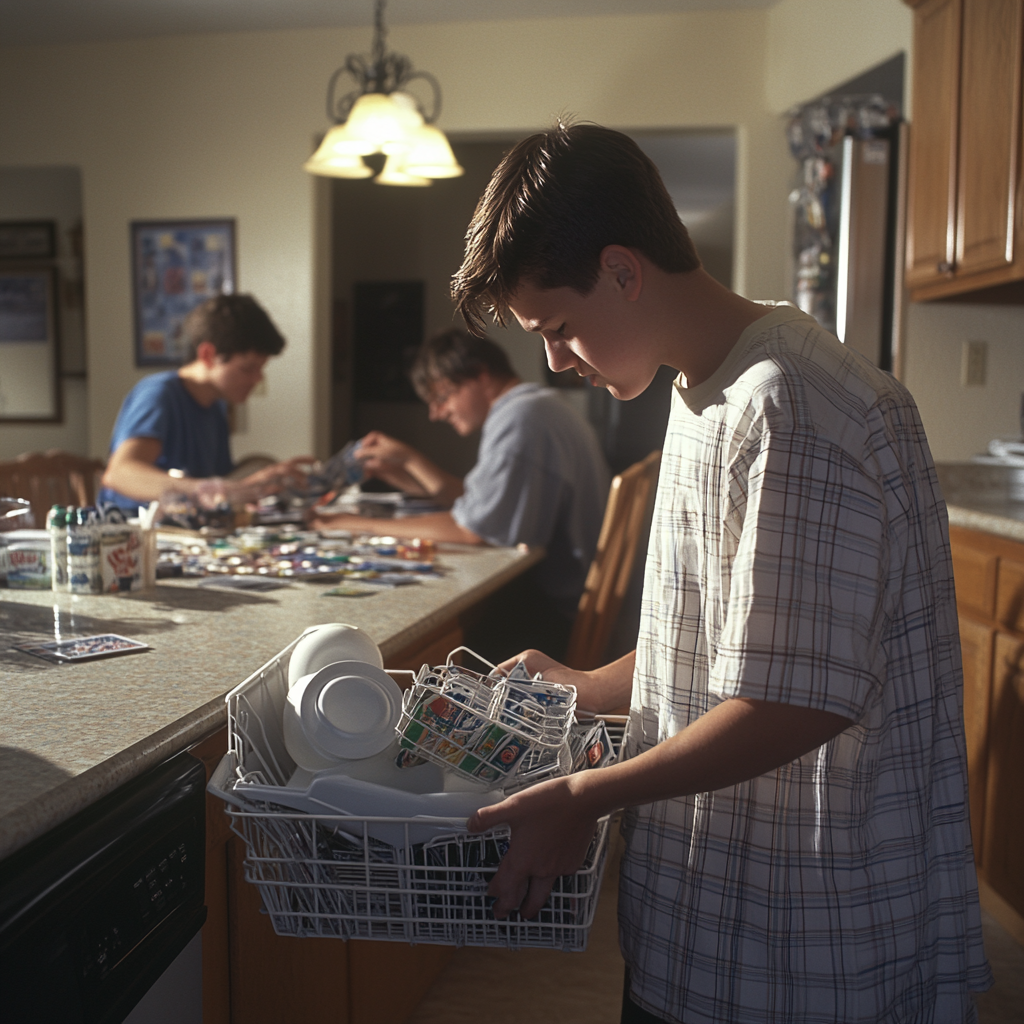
[(945, 267)]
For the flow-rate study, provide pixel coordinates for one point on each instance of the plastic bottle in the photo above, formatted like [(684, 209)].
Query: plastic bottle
[(57, 524), (84, 552)]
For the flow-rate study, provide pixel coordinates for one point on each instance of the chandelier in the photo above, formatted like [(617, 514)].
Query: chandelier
[(381, 116)]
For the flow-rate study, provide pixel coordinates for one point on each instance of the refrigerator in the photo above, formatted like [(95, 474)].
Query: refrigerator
[(847, 241)]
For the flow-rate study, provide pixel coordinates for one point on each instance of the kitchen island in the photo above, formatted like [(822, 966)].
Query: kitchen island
[(71, 734), (986, 516)]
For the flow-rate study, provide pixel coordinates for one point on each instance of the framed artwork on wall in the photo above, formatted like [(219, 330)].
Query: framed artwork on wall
[(29, 346), (28, 240), (176, 265)]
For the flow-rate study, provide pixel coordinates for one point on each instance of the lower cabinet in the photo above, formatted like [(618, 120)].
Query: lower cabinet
[(1003, 857), (989, 575), (251, 975)]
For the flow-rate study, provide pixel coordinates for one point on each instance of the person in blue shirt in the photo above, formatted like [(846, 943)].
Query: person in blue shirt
[(172, 431)]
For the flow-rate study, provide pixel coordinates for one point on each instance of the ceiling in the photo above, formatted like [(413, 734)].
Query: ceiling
[(62, 21)]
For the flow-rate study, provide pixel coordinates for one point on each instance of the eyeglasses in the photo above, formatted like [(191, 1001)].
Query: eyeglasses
[(441, 395)]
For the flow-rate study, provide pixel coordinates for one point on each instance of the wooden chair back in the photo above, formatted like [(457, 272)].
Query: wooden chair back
[(629, 503), (51, 478)]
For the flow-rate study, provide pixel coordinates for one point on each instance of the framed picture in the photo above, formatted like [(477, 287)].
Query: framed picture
[(28, 240), (176, 265), (29, 348)]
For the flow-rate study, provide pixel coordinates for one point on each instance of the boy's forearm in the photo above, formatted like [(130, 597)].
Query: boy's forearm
[(439, 526), (436, 482), (144, 482), (735, 741)]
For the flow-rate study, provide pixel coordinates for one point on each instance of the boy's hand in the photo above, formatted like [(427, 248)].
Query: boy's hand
[(551, 833), (599, 692)]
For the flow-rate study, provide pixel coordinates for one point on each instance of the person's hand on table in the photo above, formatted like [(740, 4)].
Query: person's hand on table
[(388, 459), (552, 829), (289, 473)]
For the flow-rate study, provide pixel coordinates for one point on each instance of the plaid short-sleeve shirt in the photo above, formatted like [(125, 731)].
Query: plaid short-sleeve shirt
[(800, 554)]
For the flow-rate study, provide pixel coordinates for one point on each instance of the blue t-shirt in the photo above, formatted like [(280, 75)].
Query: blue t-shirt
[(194, 437)]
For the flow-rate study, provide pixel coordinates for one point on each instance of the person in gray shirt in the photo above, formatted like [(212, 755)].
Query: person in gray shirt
[(540, 477)]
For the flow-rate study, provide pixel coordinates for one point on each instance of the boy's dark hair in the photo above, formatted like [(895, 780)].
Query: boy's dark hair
[(457, 356), (232, 324), (554, 202)]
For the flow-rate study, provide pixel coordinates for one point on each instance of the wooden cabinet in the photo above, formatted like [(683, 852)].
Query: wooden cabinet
[(989, 574), (1003, 860), (965, 224)]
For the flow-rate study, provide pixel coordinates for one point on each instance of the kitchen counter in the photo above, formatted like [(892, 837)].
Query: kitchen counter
[(983, 497), (69, 734)]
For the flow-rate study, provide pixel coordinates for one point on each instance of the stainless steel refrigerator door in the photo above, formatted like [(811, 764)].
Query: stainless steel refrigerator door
[(861, 270)]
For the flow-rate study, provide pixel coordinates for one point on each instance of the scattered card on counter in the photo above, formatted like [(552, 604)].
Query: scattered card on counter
[(349, 590), (392, 579), (257, 583), (82, 648)]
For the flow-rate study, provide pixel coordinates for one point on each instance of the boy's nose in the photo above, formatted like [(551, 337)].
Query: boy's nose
[(560, 356)]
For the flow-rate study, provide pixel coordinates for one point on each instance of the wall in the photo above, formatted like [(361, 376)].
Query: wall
[(218, 125), (55, 194)]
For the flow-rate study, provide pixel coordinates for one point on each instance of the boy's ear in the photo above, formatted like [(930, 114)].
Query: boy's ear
[(622, 263), (206, 353)]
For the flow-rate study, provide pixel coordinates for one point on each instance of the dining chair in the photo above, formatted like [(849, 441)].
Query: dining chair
[(51, 478), (630, 500)]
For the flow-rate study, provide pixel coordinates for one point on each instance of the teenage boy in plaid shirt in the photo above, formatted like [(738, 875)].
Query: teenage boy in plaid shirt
[(798, 847)]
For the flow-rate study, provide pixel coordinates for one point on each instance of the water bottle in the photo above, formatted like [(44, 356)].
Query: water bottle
[(57, 524), (84, 552)]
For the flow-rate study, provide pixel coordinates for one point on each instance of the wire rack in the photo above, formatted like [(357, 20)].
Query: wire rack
[(326, 876), (493, 730), (331, 875)]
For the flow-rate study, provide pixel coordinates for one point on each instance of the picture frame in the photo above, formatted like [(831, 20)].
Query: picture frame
[(29, 346), (28, 240), (176, 265)]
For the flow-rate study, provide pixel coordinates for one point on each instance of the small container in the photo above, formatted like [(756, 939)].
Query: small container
[(84, 576), (28, 565), (121, 557), (57, 524)]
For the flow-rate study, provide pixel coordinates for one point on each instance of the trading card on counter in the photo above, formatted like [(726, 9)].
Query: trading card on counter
[(350, 590), (392, 579), (82, 648), (255, 583)]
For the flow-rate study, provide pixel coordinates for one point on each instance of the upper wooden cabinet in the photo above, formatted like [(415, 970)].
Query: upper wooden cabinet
[(965, 222)]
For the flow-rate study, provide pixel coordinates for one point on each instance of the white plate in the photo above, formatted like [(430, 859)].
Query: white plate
[(347, 710), (333, 641)]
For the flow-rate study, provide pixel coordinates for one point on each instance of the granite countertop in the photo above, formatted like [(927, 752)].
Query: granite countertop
[(984, 497), (69, 734)]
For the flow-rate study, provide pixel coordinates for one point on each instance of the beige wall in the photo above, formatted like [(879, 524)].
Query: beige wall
[(218, 125)]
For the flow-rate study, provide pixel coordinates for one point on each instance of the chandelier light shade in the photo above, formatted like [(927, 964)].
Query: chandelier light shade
[(381, 116)]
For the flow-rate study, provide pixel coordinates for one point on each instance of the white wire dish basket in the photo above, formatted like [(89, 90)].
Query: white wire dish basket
[(395, 877)]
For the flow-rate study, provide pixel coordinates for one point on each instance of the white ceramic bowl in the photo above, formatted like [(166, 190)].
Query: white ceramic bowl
[(346, 710), (326, 644)]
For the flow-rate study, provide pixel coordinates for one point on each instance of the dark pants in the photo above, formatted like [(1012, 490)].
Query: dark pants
[(517, 617), (633, 1014)]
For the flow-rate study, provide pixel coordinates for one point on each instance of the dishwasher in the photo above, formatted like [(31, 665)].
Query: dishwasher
[(94, 912)]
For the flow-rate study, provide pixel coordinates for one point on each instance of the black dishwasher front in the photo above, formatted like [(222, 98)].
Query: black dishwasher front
[(94, 911)]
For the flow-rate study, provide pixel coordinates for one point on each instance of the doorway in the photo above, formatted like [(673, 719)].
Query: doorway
[(412, 239)]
